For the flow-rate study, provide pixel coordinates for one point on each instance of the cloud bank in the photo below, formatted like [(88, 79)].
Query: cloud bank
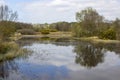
[(41, 11)]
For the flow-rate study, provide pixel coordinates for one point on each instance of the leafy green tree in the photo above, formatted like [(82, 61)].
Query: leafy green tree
[(116, 24), (108, 34), (7, 28), (61, 26), (89, 20)]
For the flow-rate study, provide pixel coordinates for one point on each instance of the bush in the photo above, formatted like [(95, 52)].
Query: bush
[(45, 31), (7, 28), (26, 31), (108, 34), (7, 46), (81, 33), (4, 48), (53, 30), (10, 50)]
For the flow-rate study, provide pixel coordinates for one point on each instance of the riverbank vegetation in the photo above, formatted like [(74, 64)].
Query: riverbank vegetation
[(89, 23), (9, 28), (10, 50)]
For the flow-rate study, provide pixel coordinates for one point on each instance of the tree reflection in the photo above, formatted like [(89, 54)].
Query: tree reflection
[(45, 40), (6, 67), (113, 47), (88, 55)]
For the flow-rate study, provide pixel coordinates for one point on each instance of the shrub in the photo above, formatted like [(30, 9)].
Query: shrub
[(81, 33), (7, 46), (7, 28), (45, 31), (10, 50), (53, 30), (26, 31), (4, 48), (108, 34)]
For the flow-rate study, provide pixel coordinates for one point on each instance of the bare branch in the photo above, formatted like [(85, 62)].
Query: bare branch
[(6, 14)]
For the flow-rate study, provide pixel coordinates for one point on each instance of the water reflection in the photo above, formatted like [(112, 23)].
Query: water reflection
[(45, 40), (6, 67), (88, 55), (63, 59)]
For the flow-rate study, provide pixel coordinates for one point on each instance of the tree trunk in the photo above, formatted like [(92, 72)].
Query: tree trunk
[(118, 35)]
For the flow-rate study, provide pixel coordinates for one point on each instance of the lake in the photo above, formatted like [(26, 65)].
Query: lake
[(63, 59)]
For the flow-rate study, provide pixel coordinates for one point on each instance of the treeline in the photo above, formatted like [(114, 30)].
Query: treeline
[(7, 16), (61, 26), (9, 25), (53, 27), (8, 28), (91, 23)]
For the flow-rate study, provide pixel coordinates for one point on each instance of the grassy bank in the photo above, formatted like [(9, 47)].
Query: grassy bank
[(10, 50), (51, 35), (69, 35), (97, 40)]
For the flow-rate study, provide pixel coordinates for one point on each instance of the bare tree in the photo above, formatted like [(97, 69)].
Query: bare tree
[(7, 18), (6, 14)]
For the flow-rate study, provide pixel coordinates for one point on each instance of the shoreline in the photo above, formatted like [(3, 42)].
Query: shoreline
[(97, 40), (90, 39)]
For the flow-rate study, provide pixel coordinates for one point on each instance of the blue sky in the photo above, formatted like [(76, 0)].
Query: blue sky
[(48, 11)]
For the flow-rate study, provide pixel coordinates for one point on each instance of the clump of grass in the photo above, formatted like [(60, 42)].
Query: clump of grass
[(108, 34), (10, 51), (45, 31), (53, 30), (4, 48), (26, 31)]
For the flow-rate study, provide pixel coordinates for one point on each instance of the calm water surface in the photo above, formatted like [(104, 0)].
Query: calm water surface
[(63, 59)]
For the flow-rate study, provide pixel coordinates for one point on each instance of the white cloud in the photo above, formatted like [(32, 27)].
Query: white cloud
[(57, 10), (2, 2)]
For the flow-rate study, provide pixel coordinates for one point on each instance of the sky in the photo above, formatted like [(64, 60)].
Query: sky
[(49, 11)]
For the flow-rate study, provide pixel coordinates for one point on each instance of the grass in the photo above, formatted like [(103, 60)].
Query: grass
[(97, 40), (13, 50), (93, 39), (51, 35), (16, 36)]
